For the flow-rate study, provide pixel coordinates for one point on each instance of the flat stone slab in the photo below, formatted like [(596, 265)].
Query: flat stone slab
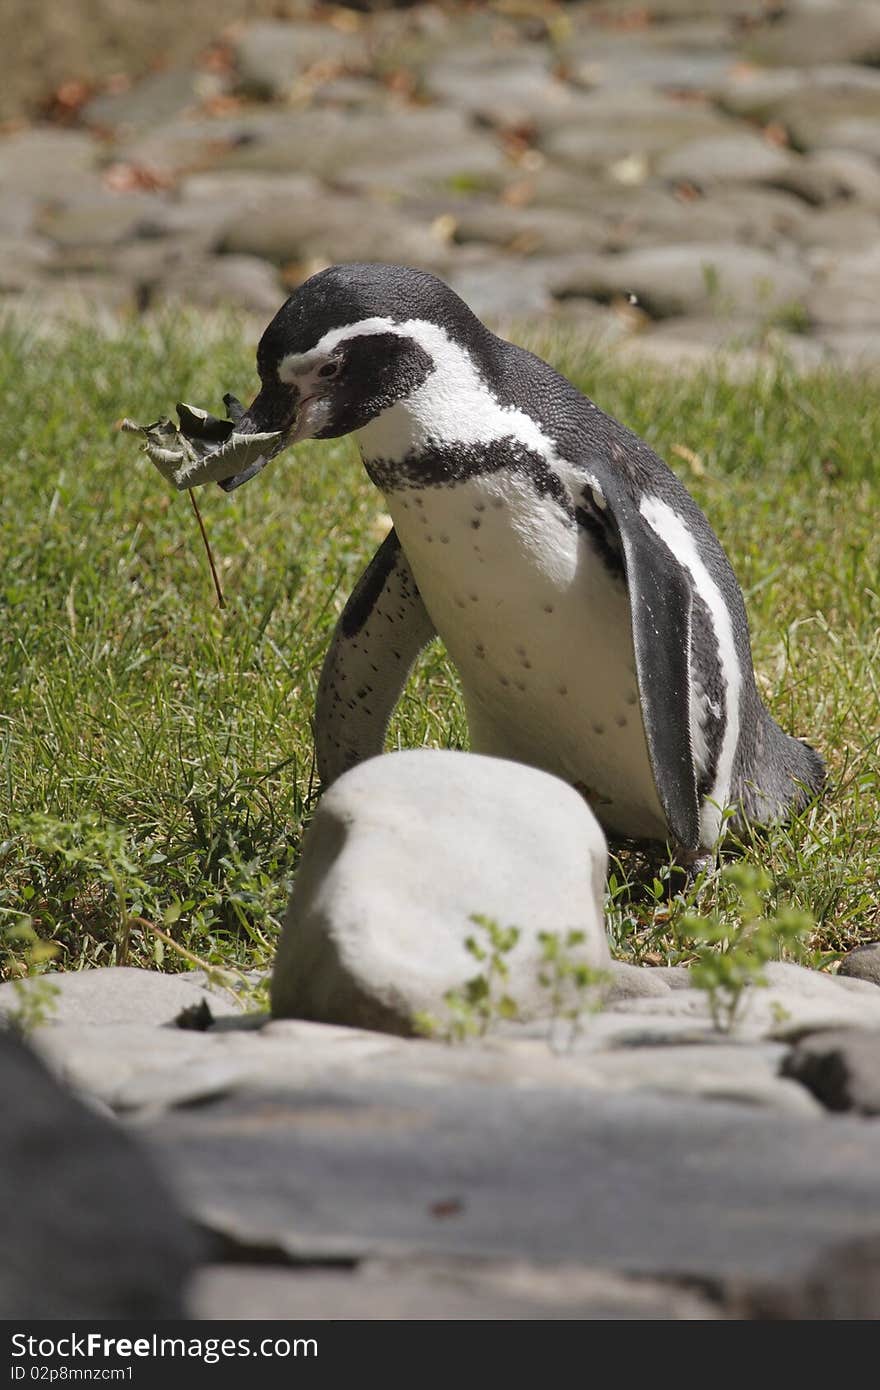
[(436, 1290), (135, 1067), (795, 1001), (76, 1241), (103, 1038), (639, 1184), (118, 994)]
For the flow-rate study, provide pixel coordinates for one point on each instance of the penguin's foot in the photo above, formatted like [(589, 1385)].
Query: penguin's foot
[(642, 867)]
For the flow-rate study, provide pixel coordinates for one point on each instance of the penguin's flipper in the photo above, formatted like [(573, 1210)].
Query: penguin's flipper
[(380, 632), (660, 603)]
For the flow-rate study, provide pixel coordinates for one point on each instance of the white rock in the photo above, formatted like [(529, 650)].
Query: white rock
[(402, 851)]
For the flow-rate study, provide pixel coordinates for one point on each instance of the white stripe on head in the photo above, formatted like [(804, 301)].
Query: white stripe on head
[(453, 406), (674, 533), (294, 364)]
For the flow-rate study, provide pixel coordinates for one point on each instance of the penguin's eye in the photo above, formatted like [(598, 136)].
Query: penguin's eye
[(328, 369)]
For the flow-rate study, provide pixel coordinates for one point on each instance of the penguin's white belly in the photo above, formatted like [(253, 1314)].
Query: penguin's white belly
[(541, 633)]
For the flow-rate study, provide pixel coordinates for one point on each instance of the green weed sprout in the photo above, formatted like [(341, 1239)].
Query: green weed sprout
[(729, 958), (572, 983), (481, 1000)]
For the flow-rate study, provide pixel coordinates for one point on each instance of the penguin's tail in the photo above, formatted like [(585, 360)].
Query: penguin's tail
[(787, 774)]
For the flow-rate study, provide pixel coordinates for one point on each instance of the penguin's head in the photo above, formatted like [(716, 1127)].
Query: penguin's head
[(338, 352)]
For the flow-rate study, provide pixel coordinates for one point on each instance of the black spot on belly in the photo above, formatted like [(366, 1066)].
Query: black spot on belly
[(598, 728), (620, 721)]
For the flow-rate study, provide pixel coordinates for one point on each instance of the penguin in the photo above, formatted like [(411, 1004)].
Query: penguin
[(595, 621)]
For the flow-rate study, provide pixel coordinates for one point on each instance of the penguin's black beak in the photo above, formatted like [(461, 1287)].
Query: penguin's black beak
[(274, 409)]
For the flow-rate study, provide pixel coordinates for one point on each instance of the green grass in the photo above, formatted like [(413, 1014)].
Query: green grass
[(155, 752)]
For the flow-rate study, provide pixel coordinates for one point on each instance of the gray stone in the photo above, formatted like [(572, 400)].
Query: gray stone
[(673, 16), (101, 218), (89, 1231), (329, 228), (622, 1182), (233, 281), (201, 143), (690, 279), (748, 90), (509, 93), (46, 163), (16, 215), (853, 349), (675, 976), (469, 166), (237, 193), (337, 143), (848, 294), (102, 1059), (841, 1068), (830, 176), (692, 62), (502, 292), (272, 56), (527, 231), (23, 263), (158, 97), (738, 157), (401, 852), (633, 982), (350, 93), (843, 228), (862, 963), (832, 119), (761, 94), (434, 1289), (651, 216), (821, 33), (842, 1284), (136, 1067), (794, 1001), (761, 217), (70, 299), (636, 130), (714, 1071), (118, 994)]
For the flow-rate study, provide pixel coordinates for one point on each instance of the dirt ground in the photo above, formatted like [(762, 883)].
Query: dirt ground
[(45, 44)]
